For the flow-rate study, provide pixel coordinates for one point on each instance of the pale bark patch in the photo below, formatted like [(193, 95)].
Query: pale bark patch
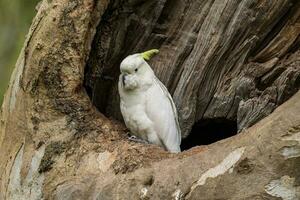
[(16, 83), (294, 150), (283, 188), (178, 195), (294, 137), (105, 160), (143, 193), (291, 152), (220, 169), (31, 186)]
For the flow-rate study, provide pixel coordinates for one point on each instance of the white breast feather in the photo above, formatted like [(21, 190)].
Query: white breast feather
[(161, 110)]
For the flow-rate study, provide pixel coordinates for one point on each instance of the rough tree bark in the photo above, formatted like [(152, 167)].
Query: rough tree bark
[(220, 59), (229, 59)]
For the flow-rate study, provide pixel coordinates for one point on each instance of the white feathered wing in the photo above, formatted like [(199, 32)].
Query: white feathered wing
[(161, 110)]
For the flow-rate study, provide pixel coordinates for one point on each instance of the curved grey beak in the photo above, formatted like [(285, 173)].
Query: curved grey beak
[(123, 79)]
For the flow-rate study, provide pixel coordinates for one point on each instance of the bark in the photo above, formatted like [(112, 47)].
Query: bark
[(235, 60), (220, 59)]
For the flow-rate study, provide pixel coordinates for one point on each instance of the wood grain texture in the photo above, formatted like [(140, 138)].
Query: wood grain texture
[(219, 59), (230, 59)]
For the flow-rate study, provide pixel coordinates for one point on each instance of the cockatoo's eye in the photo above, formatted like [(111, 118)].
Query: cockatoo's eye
[(136, 69)]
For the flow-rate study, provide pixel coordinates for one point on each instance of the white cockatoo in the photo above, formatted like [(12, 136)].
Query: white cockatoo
[(146, 105)]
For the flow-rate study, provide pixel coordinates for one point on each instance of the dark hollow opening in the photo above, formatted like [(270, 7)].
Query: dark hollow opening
[(208, 131)]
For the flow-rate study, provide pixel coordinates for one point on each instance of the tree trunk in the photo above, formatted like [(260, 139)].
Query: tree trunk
[(223, 61)]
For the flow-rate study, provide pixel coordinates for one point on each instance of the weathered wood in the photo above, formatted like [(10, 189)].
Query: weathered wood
[(206, 49), (218, 58)]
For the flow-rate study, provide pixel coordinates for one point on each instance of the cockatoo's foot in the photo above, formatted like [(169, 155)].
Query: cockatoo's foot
[(135, 139)]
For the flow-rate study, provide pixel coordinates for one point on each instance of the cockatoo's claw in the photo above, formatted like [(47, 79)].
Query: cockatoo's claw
[(128, 134), (135, 139)]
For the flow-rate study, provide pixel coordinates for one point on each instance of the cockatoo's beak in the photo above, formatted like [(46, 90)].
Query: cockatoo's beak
[(123, 79)]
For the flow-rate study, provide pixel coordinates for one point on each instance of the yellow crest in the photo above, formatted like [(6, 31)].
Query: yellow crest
[(147, 55)]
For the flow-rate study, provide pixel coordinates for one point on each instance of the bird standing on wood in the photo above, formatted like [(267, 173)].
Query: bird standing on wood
[(146, 105)]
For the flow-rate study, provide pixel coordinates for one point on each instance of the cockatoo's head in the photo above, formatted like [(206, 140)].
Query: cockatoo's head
[(135, 71)]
